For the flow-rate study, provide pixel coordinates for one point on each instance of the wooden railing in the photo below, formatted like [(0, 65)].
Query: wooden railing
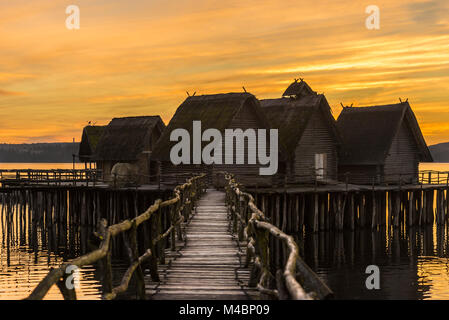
[(252, 226), (180, 208), (434, 177), (52, 176), (362, 178)]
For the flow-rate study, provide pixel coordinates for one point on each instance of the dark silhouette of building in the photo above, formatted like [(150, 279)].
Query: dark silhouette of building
[(381, 144), (89, 140), (130, 140), (218, 111), (307, 132)]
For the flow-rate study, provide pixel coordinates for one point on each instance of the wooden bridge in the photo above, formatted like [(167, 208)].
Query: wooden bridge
[(200, 244), (209, 266)]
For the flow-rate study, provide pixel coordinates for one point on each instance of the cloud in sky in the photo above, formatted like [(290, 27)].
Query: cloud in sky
[(429, 12), (140, 57), (9, 93)]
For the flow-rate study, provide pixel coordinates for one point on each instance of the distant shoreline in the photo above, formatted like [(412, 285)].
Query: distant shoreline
[(58, 152)]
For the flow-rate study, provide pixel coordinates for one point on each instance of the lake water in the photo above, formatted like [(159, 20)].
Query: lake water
[(27, 257), (413, 263)]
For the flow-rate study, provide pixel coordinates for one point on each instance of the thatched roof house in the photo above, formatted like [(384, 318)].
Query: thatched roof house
[(298, 90), (381, 144), (307, 131), (129, 140), (89, 140), (219, 111)]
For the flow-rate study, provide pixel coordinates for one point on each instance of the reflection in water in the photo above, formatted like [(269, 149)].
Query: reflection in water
[(413, 262), (28, 251)]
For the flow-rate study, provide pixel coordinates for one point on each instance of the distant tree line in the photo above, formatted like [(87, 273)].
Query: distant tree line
[(39, 152)]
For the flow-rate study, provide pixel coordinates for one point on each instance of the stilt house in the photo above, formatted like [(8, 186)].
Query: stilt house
[(381, 144), (130, 140), (89, 140), (218, 111), (307, 132)]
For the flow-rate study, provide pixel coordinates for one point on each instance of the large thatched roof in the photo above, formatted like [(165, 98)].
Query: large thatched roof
[(91, 136), (214, 111), (124, 139), (368, 133), (291, 116)]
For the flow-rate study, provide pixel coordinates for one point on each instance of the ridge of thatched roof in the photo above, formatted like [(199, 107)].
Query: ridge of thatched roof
[(89, 140), (368, 133), (214, 111), (124, 139), (298, 89), (291, 116)]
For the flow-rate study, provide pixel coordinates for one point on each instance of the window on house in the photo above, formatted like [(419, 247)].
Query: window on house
[(320, 165)]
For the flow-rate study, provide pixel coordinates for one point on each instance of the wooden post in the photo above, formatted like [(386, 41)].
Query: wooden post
[(349, 215), (296, 214), (422, 208), (383, 208), (315, 213), (362, 216), (174, 219), (374, 211), (133, 257), (302, 212), (411, 208), (322, 222), (397, 208), (106, 262), (430, 212), (153, 259), (446, 201), (83, 209), (284, 213)]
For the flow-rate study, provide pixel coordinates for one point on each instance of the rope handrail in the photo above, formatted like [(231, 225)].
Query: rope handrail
[(255, 229), (181, 205)]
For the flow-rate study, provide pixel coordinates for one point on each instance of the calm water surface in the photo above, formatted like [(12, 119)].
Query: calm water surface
[(413, 262), (29, 253)]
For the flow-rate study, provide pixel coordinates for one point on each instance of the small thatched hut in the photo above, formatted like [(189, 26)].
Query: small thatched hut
[(130, 140), (89, 140), (307, 132), (217, 111), (298, 90), (381, 144)]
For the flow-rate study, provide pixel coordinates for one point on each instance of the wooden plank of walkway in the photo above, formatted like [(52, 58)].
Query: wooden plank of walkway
[(208, 266)]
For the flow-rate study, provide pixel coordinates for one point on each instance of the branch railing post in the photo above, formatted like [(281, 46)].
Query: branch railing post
[(257, 232), (106, 261), (139, 276), (179, 207), (153, 259), (173, 219)]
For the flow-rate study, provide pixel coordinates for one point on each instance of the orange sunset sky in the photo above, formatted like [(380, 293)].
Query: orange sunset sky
[(140, 57)]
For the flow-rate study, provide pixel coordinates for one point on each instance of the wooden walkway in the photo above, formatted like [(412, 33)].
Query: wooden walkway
[(210, 264)]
